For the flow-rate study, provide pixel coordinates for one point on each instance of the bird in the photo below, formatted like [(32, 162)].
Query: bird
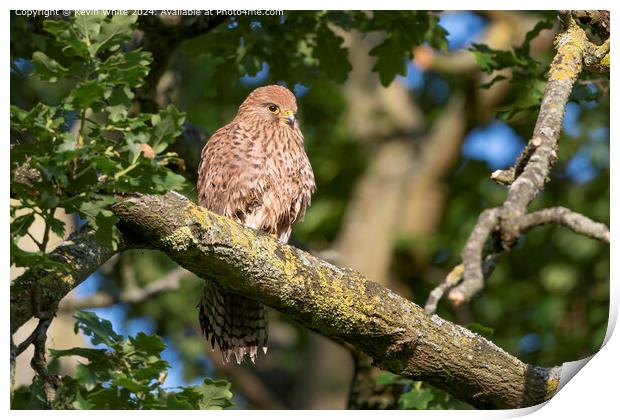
[(254, 170)]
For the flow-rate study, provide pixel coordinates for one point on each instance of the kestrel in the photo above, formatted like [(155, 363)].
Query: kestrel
[(254, 170)]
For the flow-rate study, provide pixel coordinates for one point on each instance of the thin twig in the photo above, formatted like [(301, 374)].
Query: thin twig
[(37, 243), (27, 342), (452, 279), (562, 216), (46, 231), (507, 176), (39, 362), (169, 282), (473, 277)]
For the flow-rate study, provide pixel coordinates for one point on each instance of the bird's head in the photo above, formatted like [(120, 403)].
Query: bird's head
[(275, 104)]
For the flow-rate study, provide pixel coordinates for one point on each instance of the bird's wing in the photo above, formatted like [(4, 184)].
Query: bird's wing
[(232, 179)]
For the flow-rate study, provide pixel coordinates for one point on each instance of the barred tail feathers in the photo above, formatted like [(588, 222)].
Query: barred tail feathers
[(237, 324)]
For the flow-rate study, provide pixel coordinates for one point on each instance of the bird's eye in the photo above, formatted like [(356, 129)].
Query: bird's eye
[(273, 108)]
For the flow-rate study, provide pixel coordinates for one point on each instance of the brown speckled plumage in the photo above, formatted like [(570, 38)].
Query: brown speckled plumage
[(255, 171)]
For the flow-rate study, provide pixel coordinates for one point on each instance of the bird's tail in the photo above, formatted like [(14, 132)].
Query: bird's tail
[(237, 324)]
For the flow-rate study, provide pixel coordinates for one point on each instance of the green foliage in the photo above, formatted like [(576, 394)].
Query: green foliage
[(420, 396), (406, 30), (416, 398), (331, 55), (124, 374), (88, 147), (304, 46), (99, 330), (528, 74)]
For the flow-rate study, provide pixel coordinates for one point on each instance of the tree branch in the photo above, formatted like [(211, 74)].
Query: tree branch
[(80, 255), (598, 19), (39, 361), (452, 279), (169, 282), (532, 170), (562, 216), (336, 302)]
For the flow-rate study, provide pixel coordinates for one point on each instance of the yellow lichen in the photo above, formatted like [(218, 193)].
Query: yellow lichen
[(336, 300), (567, 63), (605, 61), (236, 236), (551, 386), (180, 239)]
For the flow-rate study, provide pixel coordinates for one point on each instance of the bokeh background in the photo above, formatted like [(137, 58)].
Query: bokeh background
[(402, 174)]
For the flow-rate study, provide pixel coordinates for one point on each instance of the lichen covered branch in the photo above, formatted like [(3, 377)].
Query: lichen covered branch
[(336, 302), (526, 179)]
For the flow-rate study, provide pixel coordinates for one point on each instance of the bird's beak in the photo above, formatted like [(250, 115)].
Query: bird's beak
[(290, 116)]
